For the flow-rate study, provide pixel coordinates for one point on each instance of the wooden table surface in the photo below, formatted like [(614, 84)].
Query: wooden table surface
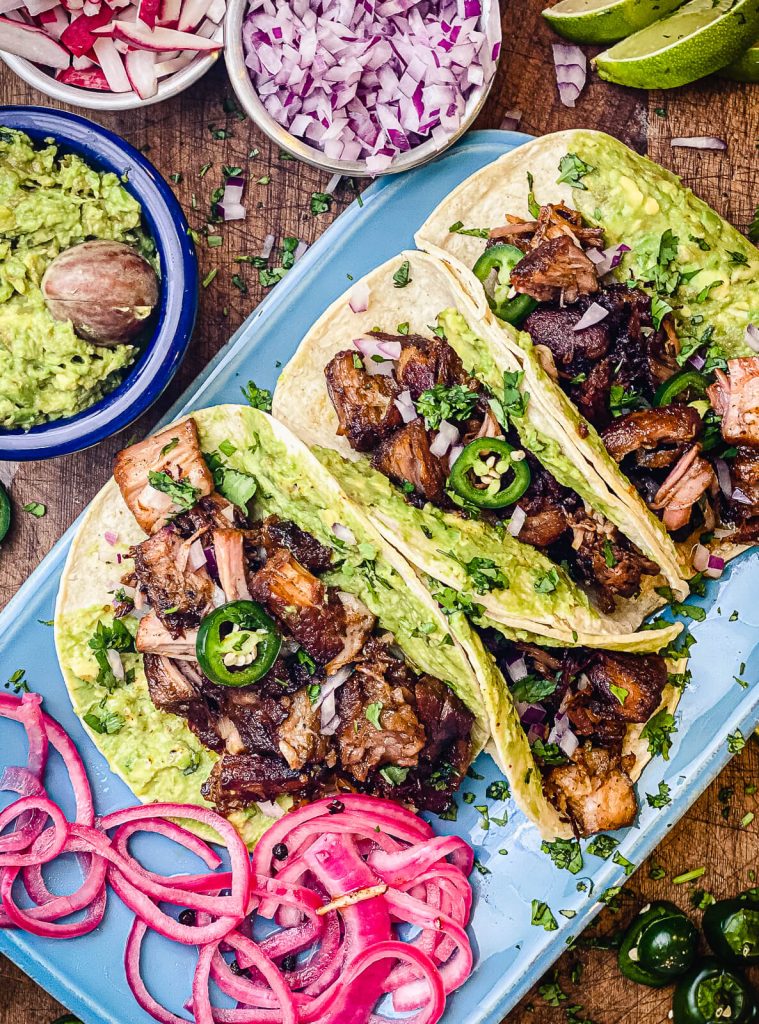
[(176, 136)]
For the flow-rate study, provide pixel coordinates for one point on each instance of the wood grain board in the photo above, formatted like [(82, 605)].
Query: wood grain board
[(176, 136)]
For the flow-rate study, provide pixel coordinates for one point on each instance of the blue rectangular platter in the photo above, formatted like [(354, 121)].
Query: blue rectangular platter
[(511, 955)]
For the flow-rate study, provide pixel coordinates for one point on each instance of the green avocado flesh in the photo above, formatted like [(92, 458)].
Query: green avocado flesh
[(50, 201)]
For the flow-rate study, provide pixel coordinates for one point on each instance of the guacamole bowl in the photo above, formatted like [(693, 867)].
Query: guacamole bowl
[(165, 340)]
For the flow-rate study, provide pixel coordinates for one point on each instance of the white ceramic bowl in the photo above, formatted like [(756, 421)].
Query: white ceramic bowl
[(94, 99), (257, 112)]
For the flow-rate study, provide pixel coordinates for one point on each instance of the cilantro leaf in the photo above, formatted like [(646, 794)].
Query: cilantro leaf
[(401, 277), (661, 799), (372, 714), (549, 753), (572, 169), (106, 722), (440, 403), (547, 582), (565, 853), (394, 775), (542, 916), (459, 229), (321, 202), (485, 575), (533, 689), (532, 204), (181, 492), (259, 398), (657, 732)]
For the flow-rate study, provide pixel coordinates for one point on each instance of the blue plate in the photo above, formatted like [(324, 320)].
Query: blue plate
[(160, 357), (87, 974)]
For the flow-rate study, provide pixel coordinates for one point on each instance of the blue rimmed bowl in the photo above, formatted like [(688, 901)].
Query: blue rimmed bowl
[(161, 353)]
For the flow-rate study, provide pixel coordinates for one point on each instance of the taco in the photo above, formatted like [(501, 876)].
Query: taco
[(642, 305), (233, 630), (471, 474)]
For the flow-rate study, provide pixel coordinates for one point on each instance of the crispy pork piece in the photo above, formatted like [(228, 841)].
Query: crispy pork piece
[(177, 687), (591, 395), (154, 638), (554, 327), (744, 475), (182, 461), (557, 271), (359, 625), (691, 477), (228, 547), (177, 594), (651, 428), (364, 403), (641, 677), (300, 740), (380, 690), (735, 397), (425, 362), (256, 718), (406, 459), (210, 513), (447, 724), (555, 219), (301, 603), (609, 562), (594, 791), (238, 780), (281, 533)]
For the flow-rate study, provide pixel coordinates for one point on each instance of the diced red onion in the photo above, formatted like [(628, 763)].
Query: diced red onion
[(379, 367), (741, 497), (232, 211), (267, 247), (569, 743), (110, 537), (369, 80), (560, 726), (751, 337), (115, 662), (300, 250), (531, 714), (594, 314), (607, 259), (358, 297), (516, 522), (516, 668), (197, 556), (218, 598), (270, 808), (511, 120), (405, 406), (715, 567), (723, 476), (332, 184), (698, 142), (571, 72), (583, 683), (447, 435), (330, 721), (700, 558), (370, 346), (343, 533), (453, 454), (697, 361), (536, 732)]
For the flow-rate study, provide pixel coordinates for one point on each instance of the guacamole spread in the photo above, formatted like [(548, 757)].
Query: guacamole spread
[(50, 201)]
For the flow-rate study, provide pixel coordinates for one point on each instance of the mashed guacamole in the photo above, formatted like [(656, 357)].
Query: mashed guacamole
[(49, 202)]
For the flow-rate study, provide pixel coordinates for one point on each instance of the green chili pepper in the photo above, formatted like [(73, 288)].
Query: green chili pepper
[(731, 928), (237, 643), (685, 380), (712, 994), (478, 474), (658, 946), (503, 258), (5, 512)]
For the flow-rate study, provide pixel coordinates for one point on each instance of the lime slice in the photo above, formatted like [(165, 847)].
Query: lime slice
[(746, 68), (699, 38), (605, 21)]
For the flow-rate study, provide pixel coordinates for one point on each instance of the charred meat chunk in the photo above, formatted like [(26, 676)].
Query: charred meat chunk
[(359, 626), (301, 604), (210, 513), (735, 397), (554, 219), (300, 740), (554, 327), (557, 270), (607, 560), (178, 595), (177, 687), (546, 505), (238, 780), (641, 677), (447, 723), (251, 720), (425, 362), (594, 791), (591, 395), (378, 721), (228, 547), (406, 459), (175, 452), (364, 403), (744, 475), (651, 428), (691, 477), (281, 533)]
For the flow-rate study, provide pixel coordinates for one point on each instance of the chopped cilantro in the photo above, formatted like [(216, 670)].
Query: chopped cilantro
[(700, 242), (657, 732), (459, 229), (547, 582), (259, 398), (36, 509), (394, 775), (619, 692), (608, 552), (320, 202), (181, 492), (498, 790), (512, 402), (404, 328), (736, 742), (227, 448), (238, 282), (451, 812), (313, 690), (656, 871), (532, 689), (105, 722), (703, 295), (401, 277), (542, 916), (372, 713), (549, 753), (289, 245), (115, 637), (219, 133), (659, 309), (551, 991), (701, 899), (602, 846), (214, 241), (624, 863), (565, 853), (690, 611), (304, 658), (485, 575), (440, 403), (451, 601), (621, 401), (18, 682), (572, 169), (737, 258), (268, 277), (532, 204)]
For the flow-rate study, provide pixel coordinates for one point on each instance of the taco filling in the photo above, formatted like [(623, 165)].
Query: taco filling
[(292, 682), (682, 422), (576, 707), (443, 437)]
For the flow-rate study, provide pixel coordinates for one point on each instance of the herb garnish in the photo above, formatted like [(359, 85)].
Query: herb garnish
[(106, 722), (320, 202), (542, 916), (572, 169), (372, 714), (394, 775), (547, 582), (549, 753), (259, 398), (459, 229), (662, 799), (36, 509), (181, 492), (565, 853), (532, 689), (115, 637), (485, 575), (658, 731), (440, 403), (512, 402), (401, 277), (532, 204)]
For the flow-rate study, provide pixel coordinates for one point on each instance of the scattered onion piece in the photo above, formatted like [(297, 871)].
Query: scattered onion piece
[(571, 71), (405, 406), (515, 524), (594, 314), (698, 142), (511, 120), (447, 435), (751, 337)]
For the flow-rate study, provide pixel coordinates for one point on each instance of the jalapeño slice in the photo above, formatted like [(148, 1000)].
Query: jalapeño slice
[(685, 380), (480, 474), (503, 258), (5, 512), (237, 643)]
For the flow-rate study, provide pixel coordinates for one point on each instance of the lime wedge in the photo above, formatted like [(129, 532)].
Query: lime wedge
[(699, 38), (604, 21), (746, 68)]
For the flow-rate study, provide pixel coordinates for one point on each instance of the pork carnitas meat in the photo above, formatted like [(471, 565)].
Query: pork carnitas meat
[(691, 477), (365, 405), (650, 429), (735, 397), (557, 270), (554, 220), (405, 458), (271, 735), (594, 791), (425, 363)]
